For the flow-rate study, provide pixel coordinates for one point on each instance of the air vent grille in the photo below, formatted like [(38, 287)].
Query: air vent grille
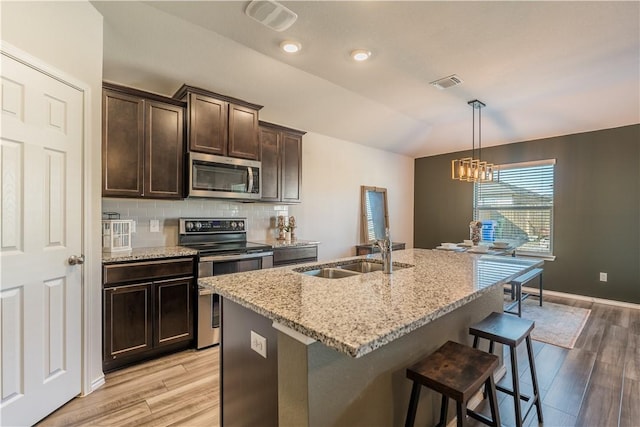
[(447, 82), (271, 13)]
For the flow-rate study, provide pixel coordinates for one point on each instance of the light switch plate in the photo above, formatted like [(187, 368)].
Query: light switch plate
[(154, 226), (259, 344)]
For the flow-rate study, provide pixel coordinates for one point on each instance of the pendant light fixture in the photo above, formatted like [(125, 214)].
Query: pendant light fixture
[(470, 169)]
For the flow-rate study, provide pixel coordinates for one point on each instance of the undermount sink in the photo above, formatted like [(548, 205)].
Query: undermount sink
[(330, 273), (362, 267), (348, 269)]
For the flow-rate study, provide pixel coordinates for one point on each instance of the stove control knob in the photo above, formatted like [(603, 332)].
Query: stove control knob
[(240, 225), (234, 224), (188, 225), (198, 225)]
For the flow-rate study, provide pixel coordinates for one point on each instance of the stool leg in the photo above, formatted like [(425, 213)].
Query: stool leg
[(475, 341), (493, 401), (444, 409), (534, 379), (413, 404), (540, 289), (519, 290), (461, 414), (516, 386)]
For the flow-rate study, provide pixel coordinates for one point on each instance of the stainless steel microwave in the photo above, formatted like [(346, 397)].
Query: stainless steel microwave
[(223, 177)]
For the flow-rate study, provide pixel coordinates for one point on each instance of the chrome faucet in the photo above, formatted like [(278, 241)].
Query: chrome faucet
[(385, 251)]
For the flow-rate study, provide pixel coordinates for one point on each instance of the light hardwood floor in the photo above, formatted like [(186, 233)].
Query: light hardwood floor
[(595, 384), (177, 390)]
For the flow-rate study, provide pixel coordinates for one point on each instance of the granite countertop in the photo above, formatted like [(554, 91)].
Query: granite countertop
[(287, 244), (358, 314), (141, 254)]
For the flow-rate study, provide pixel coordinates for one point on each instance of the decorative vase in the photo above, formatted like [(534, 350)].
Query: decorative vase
[(280, 226), (475, 231)]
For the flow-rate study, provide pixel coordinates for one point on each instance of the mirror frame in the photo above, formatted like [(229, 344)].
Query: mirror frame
[(364, 217)]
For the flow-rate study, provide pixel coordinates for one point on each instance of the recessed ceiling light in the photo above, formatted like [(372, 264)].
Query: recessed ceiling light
[(361, 54), (290, 46)]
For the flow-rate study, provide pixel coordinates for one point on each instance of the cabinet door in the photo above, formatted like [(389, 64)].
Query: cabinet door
[(127, 321), (243, 133), (208, 124), (270, 155), (174, 311), (291, 164), (122, 145), (163, 150)]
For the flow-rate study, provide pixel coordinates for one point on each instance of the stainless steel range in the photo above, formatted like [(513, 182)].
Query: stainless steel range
[(222, 249)]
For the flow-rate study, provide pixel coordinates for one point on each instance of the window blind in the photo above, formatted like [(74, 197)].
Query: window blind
[(518, 206)]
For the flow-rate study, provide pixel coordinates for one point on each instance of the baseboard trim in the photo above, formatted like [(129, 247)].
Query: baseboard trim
[(95, 384), (534, 291)]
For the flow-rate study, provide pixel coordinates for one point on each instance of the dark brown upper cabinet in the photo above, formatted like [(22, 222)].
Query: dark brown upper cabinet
[(281, 154), (142, 144), (221, 125)]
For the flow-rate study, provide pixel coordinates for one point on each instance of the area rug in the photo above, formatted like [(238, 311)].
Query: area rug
[(556, 324)]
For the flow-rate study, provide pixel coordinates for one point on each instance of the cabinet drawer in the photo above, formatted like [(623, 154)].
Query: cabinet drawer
[(293, 255), (147, 270)]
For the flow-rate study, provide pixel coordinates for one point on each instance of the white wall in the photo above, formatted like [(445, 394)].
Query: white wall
[(333, 172), (68, 36)]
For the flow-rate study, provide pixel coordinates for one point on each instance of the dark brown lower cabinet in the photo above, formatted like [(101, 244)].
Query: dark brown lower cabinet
[(128, 323), (174, 317), (367, 249), (148, 318), (294, 255)]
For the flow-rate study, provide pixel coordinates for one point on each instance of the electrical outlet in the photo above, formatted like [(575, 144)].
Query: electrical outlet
[(603, 277), (154, 226), (259, 344)]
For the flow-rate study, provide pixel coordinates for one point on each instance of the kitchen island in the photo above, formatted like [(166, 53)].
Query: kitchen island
[(337, 349)]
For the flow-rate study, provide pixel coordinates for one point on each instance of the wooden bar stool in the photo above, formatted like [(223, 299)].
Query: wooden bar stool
[(455, 371), (511, 331)]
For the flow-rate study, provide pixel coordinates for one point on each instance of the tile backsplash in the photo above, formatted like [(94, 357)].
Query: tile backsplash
[(261, 217)]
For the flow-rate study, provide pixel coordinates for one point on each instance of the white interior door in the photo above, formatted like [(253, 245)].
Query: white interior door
[(40, 229)]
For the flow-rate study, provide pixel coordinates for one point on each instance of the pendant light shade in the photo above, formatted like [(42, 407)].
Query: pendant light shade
[(470, 169)]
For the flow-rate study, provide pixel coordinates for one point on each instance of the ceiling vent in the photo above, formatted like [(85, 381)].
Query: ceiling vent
[(447, 82), (271, 13)]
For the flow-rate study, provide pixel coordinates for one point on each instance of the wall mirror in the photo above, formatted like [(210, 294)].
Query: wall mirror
[(375, 216)]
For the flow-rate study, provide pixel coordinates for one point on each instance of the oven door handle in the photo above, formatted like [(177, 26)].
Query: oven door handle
[(234, 257)]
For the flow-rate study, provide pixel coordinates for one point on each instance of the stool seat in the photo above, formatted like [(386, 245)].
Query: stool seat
[(457, 372), (511, 331), (502, 328)]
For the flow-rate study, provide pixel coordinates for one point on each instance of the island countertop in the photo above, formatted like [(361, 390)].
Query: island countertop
[(358, 314)]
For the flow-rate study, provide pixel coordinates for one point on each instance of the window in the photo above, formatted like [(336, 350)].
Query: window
[(518, 206)]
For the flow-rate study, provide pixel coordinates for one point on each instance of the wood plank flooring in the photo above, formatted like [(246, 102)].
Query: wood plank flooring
[(176, 390), (595, 384)]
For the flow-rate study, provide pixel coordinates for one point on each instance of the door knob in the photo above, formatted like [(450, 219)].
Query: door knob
[(73, 260)]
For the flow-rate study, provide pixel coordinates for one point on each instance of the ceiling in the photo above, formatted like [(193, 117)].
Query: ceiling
[(542, 68)]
